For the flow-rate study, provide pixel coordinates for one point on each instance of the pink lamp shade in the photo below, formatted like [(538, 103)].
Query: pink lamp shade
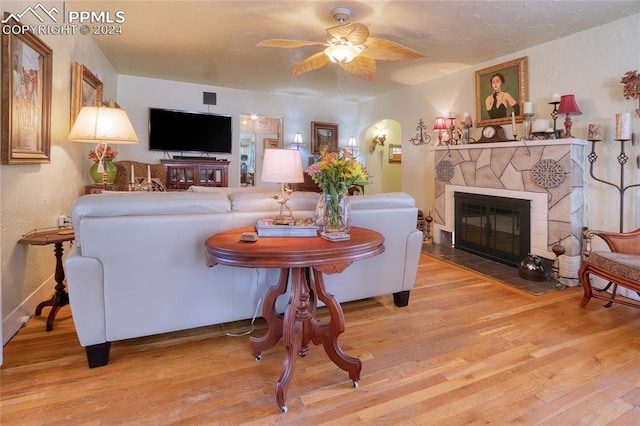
[(440, 124), (568, 105)]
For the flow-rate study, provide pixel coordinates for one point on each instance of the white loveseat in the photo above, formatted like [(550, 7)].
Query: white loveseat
[(138, 267)]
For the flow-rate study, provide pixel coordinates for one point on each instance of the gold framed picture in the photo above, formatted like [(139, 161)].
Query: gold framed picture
[(271, 143), (324, 136), (27, 69), (500, 91), (395, 153), (86, 89)]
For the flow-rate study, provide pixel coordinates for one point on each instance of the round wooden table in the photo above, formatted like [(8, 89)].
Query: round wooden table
[(305, 259), (60, 298)]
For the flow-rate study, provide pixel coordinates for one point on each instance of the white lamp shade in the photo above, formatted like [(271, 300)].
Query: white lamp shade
[(352, 142), (282, 166), (95, 124), (297, 139)]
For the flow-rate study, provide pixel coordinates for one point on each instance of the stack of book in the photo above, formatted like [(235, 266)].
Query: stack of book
[(301, 228)]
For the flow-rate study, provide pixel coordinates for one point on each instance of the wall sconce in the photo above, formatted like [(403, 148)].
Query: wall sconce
[(568, 106), (352, 144), (440, 124), (297, 140), (421, 138), (379, 139)]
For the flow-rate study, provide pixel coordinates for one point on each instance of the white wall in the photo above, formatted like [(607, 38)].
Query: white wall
[(589, 65), (137, 94), (32, 196)]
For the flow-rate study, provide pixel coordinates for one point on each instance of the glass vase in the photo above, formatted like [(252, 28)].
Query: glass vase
[(336, 213), (109, 167)]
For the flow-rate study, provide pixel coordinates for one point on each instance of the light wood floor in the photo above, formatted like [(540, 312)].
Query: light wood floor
[(465, 351)]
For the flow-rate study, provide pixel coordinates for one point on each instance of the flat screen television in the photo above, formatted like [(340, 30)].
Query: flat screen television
[(189, 131)]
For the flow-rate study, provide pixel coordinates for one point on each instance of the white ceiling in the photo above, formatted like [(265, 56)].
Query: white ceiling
[(214, 42)]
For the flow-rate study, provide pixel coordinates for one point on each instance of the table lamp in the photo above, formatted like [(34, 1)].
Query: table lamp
[(101, 125), (297, 140), (352, 143), (440, 124), (568, 106), (282, 166)]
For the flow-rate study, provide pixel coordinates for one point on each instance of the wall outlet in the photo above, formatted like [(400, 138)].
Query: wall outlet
[(63, 221)]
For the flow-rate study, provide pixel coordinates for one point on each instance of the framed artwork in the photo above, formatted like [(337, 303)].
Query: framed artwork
[(86, 89), (501, 90), (26, 98), (271, 143), (324, 135), (395, 153)]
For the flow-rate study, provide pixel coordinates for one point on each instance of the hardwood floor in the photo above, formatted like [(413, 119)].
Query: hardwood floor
[(466, 350)]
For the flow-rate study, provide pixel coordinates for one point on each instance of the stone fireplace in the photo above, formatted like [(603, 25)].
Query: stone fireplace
[(547, 173)]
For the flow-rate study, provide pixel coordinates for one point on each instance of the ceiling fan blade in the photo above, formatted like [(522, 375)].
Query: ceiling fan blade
[(385, 50), (361, 67), (288, 44), (311, 63), (354, 32)]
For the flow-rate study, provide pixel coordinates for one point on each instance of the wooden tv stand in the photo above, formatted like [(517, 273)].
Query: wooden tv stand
[(183, 173)]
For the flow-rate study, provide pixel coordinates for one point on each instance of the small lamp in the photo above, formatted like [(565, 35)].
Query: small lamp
[(101, 125), (282, 166), (568, 106), (440, 124), (353, 143), (297, 140)]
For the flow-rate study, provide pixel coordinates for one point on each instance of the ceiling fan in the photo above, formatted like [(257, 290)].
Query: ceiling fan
[(349, 46)]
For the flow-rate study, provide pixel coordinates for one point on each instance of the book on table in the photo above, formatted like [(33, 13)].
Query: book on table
[(301, 228)]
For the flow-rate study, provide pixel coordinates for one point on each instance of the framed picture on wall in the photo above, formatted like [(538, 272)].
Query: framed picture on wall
[(26, 97), (86, 89), (271, 143), (501, 90), (324, 136)]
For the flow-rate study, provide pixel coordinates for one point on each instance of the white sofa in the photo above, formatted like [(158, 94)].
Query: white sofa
[(138, 267)]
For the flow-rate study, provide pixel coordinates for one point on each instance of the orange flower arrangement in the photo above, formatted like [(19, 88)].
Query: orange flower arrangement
[(109, 153)]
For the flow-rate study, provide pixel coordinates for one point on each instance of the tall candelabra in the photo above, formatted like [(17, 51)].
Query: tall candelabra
[(622, 160), (554, 115)]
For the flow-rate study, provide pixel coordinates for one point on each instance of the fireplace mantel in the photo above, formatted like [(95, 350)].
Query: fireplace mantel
[(547, 172)]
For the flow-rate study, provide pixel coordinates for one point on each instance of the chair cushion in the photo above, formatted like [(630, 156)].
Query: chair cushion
[(626, 265)]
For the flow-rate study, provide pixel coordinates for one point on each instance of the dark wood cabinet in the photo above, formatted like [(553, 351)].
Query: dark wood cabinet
[(181, 174)]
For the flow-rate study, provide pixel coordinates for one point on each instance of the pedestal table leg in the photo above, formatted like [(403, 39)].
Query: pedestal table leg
[(60, 297)]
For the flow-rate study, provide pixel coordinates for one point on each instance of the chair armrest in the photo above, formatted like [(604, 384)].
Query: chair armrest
[(618, 242)]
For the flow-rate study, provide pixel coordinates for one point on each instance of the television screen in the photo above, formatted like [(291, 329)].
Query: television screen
[(189, 131)]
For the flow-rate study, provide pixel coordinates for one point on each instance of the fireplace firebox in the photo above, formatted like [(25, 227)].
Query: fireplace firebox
[(495, 228)]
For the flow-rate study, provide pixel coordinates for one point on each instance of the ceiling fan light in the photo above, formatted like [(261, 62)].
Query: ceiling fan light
[(341, 53)]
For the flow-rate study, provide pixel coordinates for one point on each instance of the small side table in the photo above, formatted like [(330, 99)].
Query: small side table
[(53, 236), (305, 260)]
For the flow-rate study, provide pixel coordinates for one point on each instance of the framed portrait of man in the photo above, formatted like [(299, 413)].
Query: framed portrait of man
[(501, 90)]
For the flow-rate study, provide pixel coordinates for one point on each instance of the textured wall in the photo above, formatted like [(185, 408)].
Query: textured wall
[(32, 196)]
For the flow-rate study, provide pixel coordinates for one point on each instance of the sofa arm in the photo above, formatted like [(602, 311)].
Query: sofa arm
[(412, 259), (85, 282)]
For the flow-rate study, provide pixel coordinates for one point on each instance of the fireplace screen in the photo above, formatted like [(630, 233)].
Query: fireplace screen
[(496, 228)]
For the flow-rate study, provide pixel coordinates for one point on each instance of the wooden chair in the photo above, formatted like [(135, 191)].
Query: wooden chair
[(620, 266)]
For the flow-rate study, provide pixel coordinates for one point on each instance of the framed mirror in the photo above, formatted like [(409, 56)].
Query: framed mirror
[(257, 133)]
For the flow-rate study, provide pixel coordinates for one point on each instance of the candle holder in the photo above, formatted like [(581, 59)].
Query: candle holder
[(554, 115), (622, 160), (526, 125), (455, 134)]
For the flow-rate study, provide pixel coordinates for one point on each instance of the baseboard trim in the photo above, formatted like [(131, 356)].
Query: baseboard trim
[(13, 322)]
